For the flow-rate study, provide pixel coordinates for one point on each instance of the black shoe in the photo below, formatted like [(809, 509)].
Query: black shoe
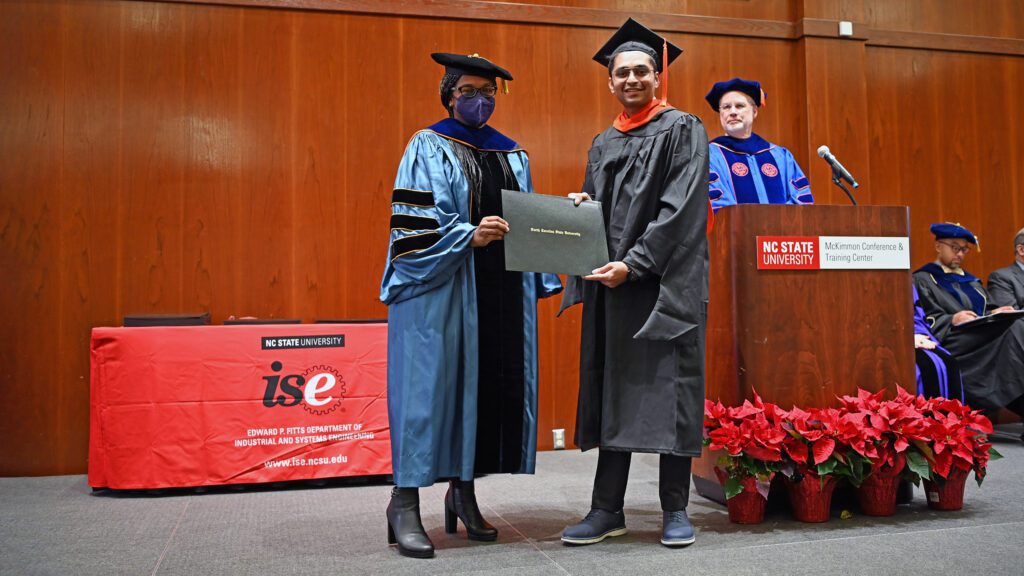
[(404, 525), (460, 501), (598, 525)]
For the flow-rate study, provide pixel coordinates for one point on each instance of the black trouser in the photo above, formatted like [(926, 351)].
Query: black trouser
[(613, 473)]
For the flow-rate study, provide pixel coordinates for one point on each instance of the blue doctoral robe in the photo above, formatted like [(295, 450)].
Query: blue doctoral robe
[(754, 171), (429, 287)]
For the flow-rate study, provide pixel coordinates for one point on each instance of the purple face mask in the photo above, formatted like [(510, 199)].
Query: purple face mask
[(476, 110)]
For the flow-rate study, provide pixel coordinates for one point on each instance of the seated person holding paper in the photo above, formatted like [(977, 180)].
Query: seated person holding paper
[(1006, 285), (990, 352), (746, 168), (462, 331)]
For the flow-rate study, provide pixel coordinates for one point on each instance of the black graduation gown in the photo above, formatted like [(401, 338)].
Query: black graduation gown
[(991, 356), (642, 344)]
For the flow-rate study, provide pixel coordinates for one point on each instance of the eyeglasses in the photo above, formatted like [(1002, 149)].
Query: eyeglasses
[(471, 91), (641, 72), (957, 249)]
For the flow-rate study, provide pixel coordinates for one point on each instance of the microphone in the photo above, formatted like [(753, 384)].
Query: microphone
[(837, 168)]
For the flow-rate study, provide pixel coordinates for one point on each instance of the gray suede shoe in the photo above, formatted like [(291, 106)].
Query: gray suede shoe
[(676, 529), (598, 525)]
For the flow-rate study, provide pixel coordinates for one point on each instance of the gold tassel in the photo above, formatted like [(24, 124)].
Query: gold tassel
[(504, 86)]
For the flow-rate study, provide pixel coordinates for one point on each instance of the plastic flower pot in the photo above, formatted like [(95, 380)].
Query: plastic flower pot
[(947, 493), (747, 507), (877, 494), (810, 498)]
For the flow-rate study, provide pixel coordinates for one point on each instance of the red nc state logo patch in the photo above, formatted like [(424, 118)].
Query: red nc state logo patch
[(769, 170), (740, 169)]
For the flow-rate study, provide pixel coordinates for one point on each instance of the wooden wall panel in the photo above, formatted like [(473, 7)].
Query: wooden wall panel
[(999, 18), (212, 243), (944, 142), (152, 147), (93, 194), (37, 426), (238, 158)]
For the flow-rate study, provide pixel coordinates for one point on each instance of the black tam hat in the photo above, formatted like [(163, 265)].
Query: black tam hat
[(634, 36), (457, 65), (472, 65)]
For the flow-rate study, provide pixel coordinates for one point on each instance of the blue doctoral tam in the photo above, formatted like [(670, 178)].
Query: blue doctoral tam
[(951, 230), (751, 88)]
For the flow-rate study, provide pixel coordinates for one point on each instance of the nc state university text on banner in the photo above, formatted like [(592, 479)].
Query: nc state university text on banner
[(833, 253)]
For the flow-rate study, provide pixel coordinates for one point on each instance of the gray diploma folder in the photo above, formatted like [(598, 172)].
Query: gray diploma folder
[(549, 234)]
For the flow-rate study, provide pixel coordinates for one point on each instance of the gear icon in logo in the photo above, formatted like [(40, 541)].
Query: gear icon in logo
[(336, 392)]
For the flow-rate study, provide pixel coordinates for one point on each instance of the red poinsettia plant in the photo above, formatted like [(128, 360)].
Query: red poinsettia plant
[(751, 436), (956, 437), (883, 430), (818, 444), (912, 435)]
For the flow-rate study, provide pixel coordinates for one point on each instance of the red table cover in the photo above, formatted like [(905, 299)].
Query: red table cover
[(206, 405)]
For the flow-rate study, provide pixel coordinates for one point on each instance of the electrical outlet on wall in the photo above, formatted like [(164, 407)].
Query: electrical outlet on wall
[(558, 435)]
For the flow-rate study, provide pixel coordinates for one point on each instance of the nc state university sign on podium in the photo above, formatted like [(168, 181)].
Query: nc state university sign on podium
[(806, 303)]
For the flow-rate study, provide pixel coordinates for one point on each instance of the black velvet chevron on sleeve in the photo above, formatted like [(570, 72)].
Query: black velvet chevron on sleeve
[(413, 243), (421, 198), (411, 222)]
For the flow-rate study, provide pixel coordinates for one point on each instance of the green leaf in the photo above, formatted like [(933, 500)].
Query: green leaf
[(827, 467), (993, 454), (918, 464), (732, 488)]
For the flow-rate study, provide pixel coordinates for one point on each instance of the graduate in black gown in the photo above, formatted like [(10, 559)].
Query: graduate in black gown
[(642, 338), (959, 312)]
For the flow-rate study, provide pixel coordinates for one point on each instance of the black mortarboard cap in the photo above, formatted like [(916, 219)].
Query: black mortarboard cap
[(635, 36), (751, 88), (472, 65)]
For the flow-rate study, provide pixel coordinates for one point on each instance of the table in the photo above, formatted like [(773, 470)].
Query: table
[(208, 405)]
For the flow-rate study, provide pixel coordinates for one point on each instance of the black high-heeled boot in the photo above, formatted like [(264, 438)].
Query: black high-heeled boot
[(404, 525), (460, 501)]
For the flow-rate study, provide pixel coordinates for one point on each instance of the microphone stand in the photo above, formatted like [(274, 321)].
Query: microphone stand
[(839, 182)]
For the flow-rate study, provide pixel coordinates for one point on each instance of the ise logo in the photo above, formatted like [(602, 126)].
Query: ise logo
[(319, 389)]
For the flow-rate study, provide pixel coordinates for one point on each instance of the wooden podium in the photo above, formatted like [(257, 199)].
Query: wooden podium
[(802, 337)]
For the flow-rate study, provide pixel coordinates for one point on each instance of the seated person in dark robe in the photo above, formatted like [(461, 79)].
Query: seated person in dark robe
[(938, 373), (960, 313), (1006, 285), (744, 167)]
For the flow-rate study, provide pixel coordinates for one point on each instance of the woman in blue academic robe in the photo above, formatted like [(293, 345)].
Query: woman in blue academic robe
[(462, 331)]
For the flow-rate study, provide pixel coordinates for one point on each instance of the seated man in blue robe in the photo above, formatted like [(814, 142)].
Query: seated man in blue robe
[(744, 167), (988, 345), (462, 331)]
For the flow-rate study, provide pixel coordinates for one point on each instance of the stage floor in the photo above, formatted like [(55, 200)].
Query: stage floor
[(57, 525)]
